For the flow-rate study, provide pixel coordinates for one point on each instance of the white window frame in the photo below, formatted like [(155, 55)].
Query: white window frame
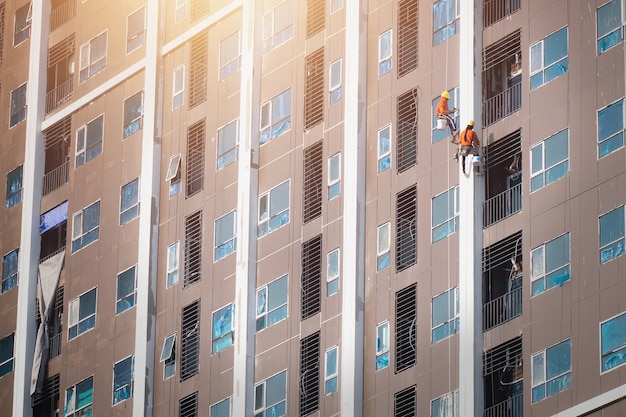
[(599, 141), (452, 320), (266, 222), (23, 110), (130, 384), (70, 400), (544, 169), (23, 34), (13, 277), (334, 85), (384, 156), (173, 175), (140, 34), (539, 254), (263, 406), (85, 55), (381, 250), (331, 378), (266, 312), (268, 127), (542, 65), (233, 238), (541, 380), (382, 349), (168, 354), (178, 93), (334, 181), (73, 319), (212, 408), (173, 253), (80, 234), (618, 30), (14, 197), (230, 332), (233, 151), (618, 353), (11, 359), (614, 242), (455, 213), (332, 277), (134, 203), (451, 403), (136, 124), (83, 151), (385, 63), (335, 5), (232, 64), (181, 10), (132, 295), (273, 37)]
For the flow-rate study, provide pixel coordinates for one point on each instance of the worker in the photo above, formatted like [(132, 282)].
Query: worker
[(468, 143), (443, 112)]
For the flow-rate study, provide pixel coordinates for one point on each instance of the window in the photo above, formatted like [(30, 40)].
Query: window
[(230, 55), (79, 399), (384, 53), (311, 264), (278, 25), (188, 406), (190, 340), (168, 356), (315, 17), (173, 175), (172, 264), (406, 228), (93, 57), (129, 201), (334, 176), (178, 87), (446, 406), (199, 8), (126, 290), (314, 86), (438, 135), (270, 396), (613, 342), (274, 209), (275, 116), (2, 11), (383, 246), (551, 371), (271, 303), (9, 270), (445, 315), (335, 5), (550, 264), (406, 328), (445, 214), (384, 149), (227, 141), (331, 374), (406, 134), (550, 160), (14, 188), (405, 403), (133, 114), (612, 235), (181, 10), (18, 105), (225, 235), (85, 226), (6, 354), (89, 140), (309, 382), (445, 20), (195, 157), (223, 331), (332, 272), (123, 380), (82, 316), (335, 81), (136, 30), (610, 128), (193, 249), (221, 409), (313, 173), (609, 21), (408, 36), (198, 70), (548, 58), (382, 345), (23, 17)]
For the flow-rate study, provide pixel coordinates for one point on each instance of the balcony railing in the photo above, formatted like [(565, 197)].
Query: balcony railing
[(512, 407), (496, 10), (61, 14), (56, 178), (502, 104), (55, 345), (59, 95), (50, 255), (502, 309), (502, 205)]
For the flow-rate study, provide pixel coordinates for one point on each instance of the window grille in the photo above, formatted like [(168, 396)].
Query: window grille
[(503, 150), (190, 343), (196, 144), (311, 277), (193, 249), (496, 10), (198, 69), (408, 36), (505, 356), (407, 130), (2, 9), (406, 331), (406, 228), (199, 9), (314, 89), (188, 406), (315, 17), (501, 252), (309, 374), (502, 50), (405, 402), (313, 182), (60, 51)]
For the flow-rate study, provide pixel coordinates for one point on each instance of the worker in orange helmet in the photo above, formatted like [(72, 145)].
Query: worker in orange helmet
[(443, 112), (468, 143)]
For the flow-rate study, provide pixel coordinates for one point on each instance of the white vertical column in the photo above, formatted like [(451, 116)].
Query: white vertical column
[(247, 193), (353, 259), (32, 181), (472, 195), (149, 188)]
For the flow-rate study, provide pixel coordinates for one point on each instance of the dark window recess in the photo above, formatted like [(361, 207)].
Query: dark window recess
[(313, 182), (496, 10), (406, 228), (60, 73), (57, 140), (405, 335), (2, 9), (314, 89), (407, 130), (309, 374), (311, 277), (405, 402), (198, 71), (502, 281), (408, 36), (53, 241), (193, 249), (315, 17), (188, 406), (196, 145), (46, 403), (190, 343), (503, 372)]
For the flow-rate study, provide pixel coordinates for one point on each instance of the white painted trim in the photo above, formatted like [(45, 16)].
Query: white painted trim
[(594, 403)]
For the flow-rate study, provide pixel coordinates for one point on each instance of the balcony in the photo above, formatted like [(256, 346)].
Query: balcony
[(502, 104), (511, 407), (496, 10), (59, 95), (503, 308), (62, 12), (503, 373), (502, 205), (56, 178)]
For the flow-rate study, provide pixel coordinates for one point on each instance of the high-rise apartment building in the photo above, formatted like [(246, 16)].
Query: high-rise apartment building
[(245, 208)]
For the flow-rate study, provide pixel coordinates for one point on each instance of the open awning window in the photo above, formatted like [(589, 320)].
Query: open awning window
[(173, 168), (53, 218), (168, 347)]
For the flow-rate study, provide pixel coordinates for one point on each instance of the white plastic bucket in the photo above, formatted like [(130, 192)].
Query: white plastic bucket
[(441, 124)]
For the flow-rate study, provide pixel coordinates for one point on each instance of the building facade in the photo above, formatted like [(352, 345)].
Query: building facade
[(237, 208)]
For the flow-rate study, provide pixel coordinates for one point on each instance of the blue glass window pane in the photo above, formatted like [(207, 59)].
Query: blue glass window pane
[(225, 228), (613, 333), (276, 388), (87, 305), (91, 217), (555, 47), (334, 190), (382, 361), (440, 309), (536, 80), (610, 145), (558, 359), (537, 158), (84, 391), (277, 315), (539, 393), (384, 163), (557, 172), (384, 67), (383, 261), (614, 359), (536, 182), (6, 348), (608, 17), (559, 384), (538, 286), (281, 106), (556, 70), (277, 410), (332, 287), (612, 251), (222, 321), (558, 277), (610, 120), (612, 226), (556, 148), (609, 41), (331, 385), (442, 332), (557, 253)]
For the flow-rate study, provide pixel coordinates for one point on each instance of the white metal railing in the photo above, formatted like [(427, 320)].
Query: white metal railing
[(502, 104), (502, 309), (502, 205), (496, 10), (56, 178), (59, 95), (50, 255), (61, 14), (512, 407)]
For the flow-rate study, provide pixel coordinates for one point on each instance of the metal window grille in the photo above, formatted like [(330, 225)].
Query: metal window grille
[(311, 277), (47, 402), (505, 356), (407, 130), (193, 249), (190, 343), (408, 36), (198, 70), (406, 228), (405, 402), (503, 150), (406, 331), (61, 51), (188, 406), (309, 374), (199, 9), (196, 144), (501, 252), (496, 10), (501, 50), (314, 89), (315, 17), (2, 9), (313, 182)]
